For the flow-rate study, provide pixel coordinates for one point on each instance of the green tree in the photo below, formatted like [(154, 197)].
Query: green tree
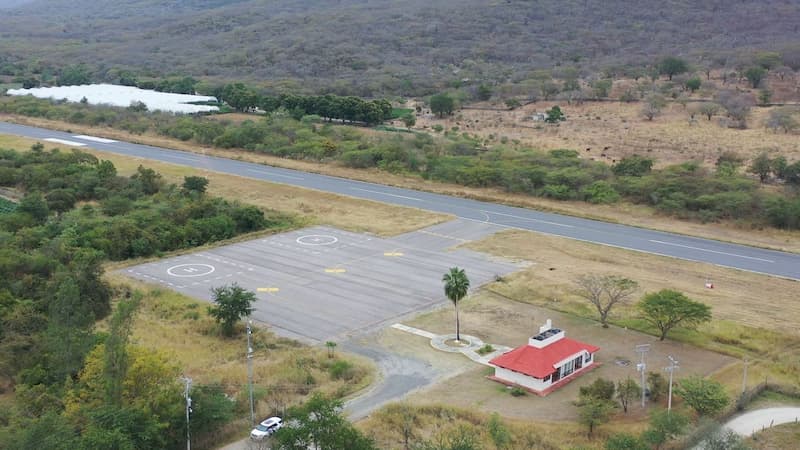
[(116, 361), (600, 388), (707, 397), (231, 303), (35, 205), (211, 409), (693, 84), (69, 334), (52, 432), (318, 424), (148, 180), (653, 106), (761, 166), (667, 309), (554, 115), (409, 120), (755, 75), (764, 96), (627, 391), (74, 75), (442, 104), (709, 109), (456, 286), (195, 184), (625, 441), (594, 412), (601, 88), (604, 292), (484, 92), (671, 66), (657, 385), (633, 166), (664, 426)]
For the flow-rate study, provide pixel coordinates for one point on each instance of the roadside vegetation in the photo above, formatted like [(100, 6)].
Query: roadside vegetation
[(96, 363), (687, 191)]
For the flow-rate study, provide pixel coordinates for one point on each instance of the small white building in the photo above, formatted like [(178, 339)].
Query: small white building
[(547, 361)]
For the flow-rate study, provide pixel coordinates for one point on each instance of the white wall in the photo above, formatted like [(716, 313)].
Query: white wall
[(520, 379)]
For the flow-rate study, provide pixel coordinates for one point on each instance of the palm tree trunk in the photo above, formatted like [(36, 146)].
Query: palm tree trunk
[(458, 326)]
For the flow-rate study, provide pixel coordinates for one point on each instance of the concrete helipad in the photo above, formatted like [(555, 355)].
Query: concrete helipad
[(320, 283)]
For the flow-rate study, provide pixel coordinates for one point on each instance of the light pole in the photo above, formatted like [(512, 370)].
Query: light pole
[(188, 383), (673, 366), (250, 371), (642, 350)]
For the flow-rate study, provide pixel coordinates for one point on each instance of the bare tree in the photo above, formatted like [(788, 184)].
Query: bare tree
[(736, 104), (605, 291)]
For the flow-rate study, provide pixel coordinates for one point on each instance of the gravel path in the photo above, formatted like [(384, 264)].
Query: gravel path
[(753, 421)]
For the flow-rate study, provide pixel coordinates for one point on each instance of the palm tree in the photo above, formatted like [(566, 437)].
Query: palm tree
[(456, 285)]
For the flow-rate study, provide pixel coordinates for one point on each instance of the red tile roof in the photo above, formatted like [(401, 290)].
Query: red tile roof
[(539, 362)]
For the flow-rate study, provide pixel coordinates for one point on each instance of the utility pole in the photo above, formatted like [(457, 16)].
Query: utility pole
[(673, 366), (188, 382), (250, 370), (642, 350), (744, 377)]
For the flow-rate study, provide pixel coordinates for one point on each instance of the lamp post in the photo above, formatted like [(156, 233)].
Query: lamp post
[(642, 350), (250, 370), (673, 366), (188, 383)]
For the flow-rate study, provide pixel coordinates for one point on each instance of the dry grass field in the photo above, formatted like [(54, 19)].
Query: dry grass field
[(781, 437), (742, 297), (636, 215)]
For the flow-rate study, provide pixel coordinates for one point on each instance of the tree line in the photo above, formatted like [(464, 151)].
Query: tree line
[(688, 191), (347, 109), (77, 387)]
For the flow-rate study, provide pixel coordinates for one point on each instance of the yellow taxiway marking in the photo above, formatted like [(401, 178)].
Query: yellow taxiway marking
[(335, 270), (267, 289), (393, 254)]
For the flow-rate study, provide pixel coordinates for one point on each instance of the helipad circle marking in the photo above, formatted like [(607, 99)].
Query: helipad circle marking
[(191, 270), (317, 239)]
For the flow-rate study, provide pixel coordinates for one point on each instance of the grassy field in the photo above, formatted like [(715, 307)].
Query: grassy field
[(781, 437), (636, 215)]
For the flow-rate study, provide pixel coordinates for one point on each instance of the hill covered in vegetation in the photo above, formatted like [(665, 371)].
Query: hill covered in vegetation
[(384, 47)]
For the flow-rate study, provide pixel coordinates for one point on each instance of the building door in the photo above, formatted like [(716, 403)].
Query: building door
[(557, 375)]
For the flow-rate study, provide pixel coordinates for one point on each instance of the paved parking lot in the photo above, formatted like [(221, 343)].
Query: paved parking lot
[(320, 283)]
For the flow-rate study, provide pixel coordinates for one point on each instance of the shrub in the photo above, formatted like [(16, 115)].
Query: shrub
[(517, 391)]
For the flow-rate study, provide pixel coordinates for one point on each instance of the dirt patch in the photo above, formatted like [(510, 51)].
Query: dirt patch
[(500, 321), (609, 131), (743, 297)]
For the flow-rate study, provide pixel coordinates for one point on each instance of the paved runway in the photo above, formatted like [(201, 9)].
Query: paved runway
[(320, 283), (742, 257)]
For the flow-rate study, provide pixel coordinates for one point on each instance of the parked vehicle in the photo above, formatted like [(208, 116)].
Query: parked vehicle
[(266, 428)]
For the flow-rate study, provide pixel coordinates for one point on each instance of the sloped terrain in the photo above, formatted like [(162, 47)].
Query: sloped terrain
[(380, 46)]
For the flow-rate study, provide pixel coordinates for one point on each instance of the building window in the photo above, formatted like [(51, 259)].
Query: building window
[(567, 368), (547, 378), (588, 358)]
